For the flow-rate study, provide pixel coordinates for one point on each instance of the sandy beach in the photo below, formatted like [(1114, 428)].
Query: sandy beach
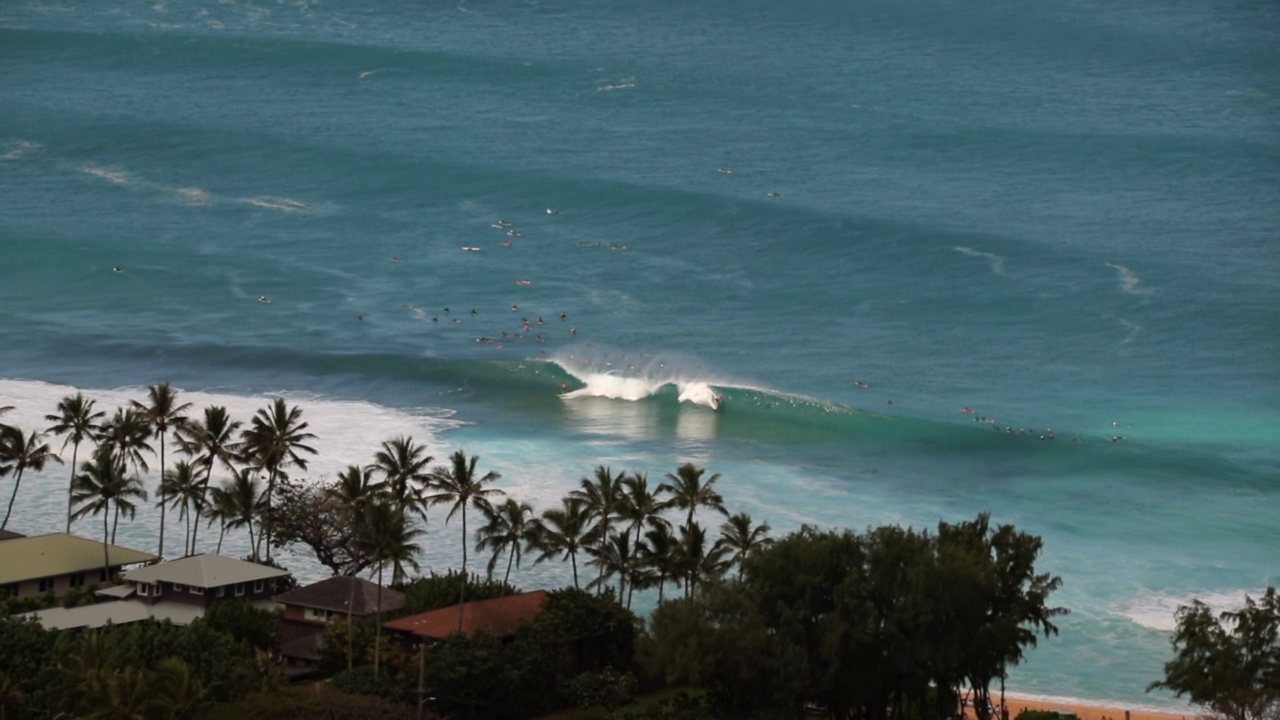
[(1017, 704)]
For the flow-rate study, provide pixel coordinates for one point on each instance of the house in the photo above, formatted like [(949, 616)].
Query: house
[(179, 591), (308, 609), (9, 535), (58, 562), (501, 616)]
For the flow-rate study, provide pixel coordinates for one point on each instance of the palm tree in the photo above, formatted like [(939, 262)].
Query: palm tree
[(506, 532), (403, 463), (355, 489), (181, 487), (561, 532), (208, 441), (739, 539), (180, 694), (21, 451), (126, 433), (387, 536), (603, 499), (689, 492), (162, 412), (615, 556), (457, 486), (659, 553), (273, 441), (129, 696), (695, 562), (221, 509), (247, 503), (77, 420), (641, 506), (103, 483)]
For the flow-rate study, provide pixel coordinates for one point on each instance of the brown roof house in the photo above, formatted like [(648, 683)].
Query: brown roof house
[(57, 562), (177, 590), (308, 609), (501, 616)]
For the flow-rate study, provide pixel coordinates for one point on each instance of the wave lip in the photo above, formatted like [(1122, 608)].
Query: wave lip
[(599, 377)]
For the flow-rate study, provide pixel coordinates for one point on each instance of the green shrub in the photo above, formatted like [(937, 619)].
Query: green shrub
[(363, 681)]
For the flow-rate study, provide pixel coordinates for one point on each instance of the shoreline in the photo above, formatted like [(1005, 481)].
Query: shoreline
[(1090, 710)]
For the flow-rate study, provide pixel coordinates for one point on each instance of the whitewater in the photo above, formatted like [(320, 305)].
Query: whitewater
[(872, 263)]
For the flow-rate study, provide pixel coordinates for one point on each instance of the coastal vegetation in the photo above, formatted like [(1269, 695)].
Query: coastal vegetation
[(889, 623)]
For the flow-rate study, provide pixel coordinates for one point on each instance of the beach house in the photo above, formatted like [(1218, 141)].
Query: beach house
[(56, 563), (309, 609)]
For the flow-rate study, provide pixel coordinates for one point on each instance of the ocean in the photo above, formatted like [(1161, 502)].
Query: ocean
[(938, 258)]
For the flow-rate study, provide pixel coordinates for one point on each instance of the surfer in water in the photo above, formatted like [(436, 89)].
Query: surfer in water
[(716, 400)]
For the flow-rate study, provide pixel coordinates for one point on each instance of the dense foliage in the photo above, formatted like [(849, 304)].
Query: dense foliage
[(1230, 663), (891, 623)]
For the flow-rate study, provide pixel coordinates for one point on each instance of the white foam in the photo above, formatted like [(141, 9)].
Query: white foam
[(1157, 610), (996, 262), (1129, 281), (118, 177), (282, 204), (1134, 331), (635, 377), (20, 149), (194, 195), (621, 84)]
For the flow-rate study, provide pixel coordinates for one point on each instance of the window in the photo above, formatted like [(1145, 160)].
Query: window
[(46, 584), (77, 580), (102, 576), (155, 589), (221, 591), (257, 586), (178, 587), (144, 589), (10, 590), (239, 589), (195, 590), (314, 614)]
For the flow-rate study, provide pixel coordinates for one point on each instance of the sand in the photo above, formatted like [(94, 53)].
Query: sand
[(1094, 712)]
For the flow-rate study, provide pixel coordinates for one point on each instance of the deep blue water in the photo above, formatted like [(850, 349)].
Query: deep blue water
[(1058, 216)]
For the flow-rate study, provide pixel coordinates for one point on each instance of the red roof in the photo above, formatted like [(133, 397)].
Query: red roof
[(500, 616)]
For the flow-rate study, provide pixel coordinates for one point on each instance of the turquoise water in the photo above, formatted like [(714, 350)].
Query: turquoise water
[(1059, 217)]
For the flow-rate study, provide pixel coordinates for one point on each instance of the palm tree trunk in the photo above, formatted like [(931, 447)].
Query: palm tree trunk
[(14, 496), (163, 505), (573, 559), (204, 495), (115, 522), (222, 532), (75, 451), (510, 558), (253, 547), (662, 585), (604, 538), (188, 532), (266, 520), (377, 630), (462, 589), (106, 560), (351, 601)]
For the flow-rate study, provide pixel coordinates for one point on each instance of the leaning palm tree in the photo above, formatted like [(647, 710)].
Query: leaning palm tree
[(506, 532), (386, 536), (689, 492), (561, 533), (20, 451), (456, 485), (659, 553), (739, 539), (695, 561), (162, 412), (603, 498), (77, 420), (220, 508), (244, 502), (209, 440), (640, 505), (404, 465), (126, 433), (103, 485), (616, 556), (181, 488), (274, 441)]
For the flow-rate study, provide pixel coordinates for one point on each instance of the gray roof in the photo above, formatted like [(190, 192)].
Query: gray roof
[(117, 592), (335, 592), (205, 571), (115, 613), (54, 554)]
